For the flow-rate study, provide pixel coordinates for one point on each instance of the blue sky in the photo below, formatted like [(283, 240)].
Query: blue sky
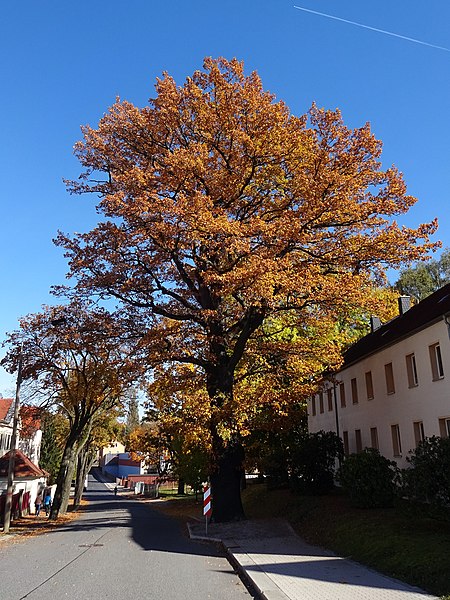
[(64, 63)]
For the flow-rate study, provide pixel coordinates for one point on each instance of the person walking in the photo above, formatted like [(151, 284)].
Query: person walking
[(47, 502), (38, 504), (115, 490)]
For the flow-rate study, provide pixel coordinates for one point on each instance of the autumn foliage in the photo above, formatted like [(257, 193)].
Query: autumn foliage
[(237, 235), (80, 361)]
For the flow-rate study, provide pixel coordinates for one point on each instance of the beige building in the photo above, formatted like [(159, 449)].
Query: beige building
[(393, 389)]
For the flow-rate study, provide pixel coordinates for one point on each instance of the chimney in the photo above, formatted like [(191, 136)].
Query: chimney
[(404, 304), (375, 323)]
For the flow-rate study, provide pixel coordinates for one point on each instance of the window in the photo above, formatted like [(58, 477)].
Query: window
[(444, 427), (389, 374), (369, 385), (342, 394), (374, 438), (437, 368), (330, 399), (411, 370), (358, 440), (354, 391), (396, 441), (321, 402), (419, 433), (313, 406), (345, 440)]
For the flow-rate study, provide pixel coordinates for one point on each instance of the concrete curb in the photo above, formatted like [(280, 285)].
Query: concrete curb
[(248, 570), (253, 574)]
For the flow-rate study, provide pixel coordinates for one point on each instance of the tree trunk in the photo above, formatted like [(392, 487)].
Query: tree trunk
[(64, 478), (181, 486), (226, 480), (228, 455), (228, 458), (84, 463)]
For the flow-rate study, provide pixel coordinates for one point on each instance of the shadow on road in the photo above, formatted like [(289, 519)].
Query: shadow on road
[(151, 529)]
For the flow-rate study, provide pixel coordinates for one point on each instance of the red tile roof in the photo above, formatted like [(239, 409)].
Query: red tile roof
[(23, 466), (5, 405)]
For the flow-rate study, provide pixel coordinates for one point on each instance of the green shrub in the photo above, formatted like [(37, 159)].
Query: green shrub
[(369, 479), (428, 478), (312, 462)]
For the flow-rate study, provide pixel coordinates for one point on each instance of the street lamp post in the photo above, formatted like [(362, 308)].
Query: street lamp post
[(12, 451)]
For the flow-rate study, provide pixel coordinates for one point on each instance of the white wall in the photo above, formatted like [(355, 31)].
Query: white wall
[(428, 402)]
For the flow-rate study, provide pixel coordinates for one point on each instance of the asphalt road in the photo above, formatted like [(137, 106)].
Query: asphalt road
[(117, 549)]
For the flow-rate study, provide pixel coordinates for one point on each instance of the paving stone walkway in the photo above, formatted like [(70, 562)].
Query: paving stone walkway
[(281, 566)]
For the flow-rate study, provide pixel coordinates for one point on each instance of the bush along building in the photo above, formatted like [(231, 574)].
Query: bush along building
[(393, 388)]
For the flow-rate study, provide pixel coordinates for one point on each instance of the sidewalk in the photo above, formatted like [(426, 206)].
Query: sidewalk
[(281, 566)]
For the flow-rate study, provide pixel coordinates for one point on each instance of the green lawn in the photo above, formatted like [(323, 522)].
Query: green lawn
[(403, 542)]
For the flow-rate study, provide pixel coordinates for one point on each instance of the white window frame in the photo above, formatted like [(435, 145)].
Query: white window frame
[(374, 438), (437, 366), (419, 432), (354, 386), (369, 385), (411, 369), (444, 427), (330, 399), (396, 440), (345, 442), (342, 394), (390, 379), (358, 440)]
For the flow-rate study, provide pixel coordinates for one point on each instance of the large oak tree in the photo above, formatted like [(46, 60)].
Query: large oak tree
[(222, 210)]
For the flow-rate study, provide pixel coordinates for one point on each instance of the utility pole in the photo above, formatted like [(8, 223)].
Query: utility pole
[(12, 451)]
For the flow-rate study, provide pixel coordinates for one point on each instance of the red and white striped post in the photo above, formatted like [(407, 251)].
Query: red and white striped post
[(207, 508)]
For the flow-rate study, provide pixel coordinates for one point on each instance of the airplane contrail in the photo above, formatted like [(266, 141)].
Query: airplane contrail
[(403, 37)]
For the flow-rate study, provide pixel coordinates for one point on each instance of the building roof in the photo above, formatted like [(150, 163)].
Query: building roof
[(6, 406), (23, 467), (425, 313)]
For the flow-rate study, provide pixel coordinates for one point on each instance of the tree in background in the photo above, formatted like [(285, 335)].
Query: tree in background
[(105, 427), (132, 410), (271, 442), (174, 435), (146, 443), (80, 358), (55, 428), (223, 210), (425, 278)]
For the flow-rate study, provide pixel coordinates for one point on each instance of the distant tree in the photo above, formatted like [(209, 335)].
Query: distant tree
[(425, 278), (272, 441), (105, 427), (55, 428), (147, 443), (132, 410)]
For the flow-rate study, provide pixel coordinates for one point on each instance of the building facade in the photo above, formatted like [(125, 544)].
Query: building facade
[(29, 434), (393, 388), (6, 424)]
